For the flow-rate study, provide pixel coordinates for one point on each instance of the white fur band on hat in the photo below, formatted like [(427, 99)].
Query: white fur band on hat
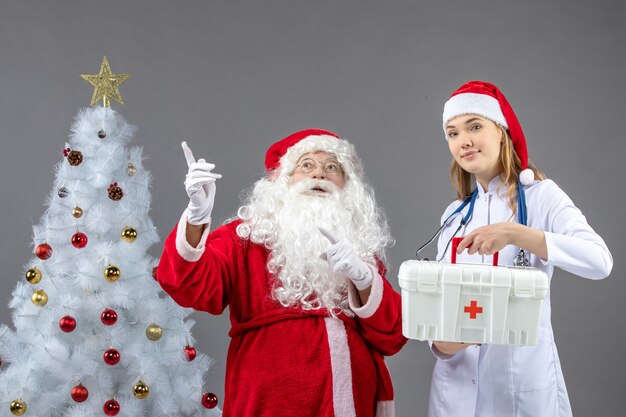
[(471, 103), (341, 148)]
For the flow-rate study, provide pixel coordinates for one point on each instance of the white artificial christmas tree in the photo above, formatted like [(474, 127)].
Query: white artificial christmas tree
[(94, 333)]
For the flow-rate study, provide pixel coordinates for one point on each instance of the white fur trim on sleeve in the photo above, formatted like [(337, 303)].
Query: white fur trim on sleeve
[(185, 250), (374, 300), (385, 409)]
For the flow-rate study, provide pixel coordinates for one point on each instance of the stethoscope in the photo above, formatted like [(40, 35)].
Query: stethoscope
[(521, 259)]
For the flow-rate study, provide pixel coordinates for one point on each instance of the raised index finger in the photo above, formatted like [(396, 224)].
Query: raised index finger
[(328, 235), (188, 154)]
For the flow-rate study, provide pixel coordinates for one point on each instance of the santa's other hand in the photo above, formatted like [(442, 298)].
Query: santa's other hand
[(343, 259)]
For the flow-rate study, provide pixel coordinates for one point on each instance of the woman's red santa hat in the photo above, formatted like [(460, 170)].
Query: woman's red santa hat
[(485, 99), (281, 158)]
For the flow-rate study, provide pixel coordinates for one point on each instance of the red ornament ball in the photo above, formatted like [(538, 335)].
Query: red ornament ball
[(79, 240), (79, 393), (67, 324), (209, 400), (43, 251), (112, 356), (111, 408), (108, 317), (190, 353)]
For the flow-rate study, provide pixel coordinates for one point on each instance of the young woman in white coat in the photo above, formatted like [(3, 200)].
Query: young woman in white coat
[(489, 156)]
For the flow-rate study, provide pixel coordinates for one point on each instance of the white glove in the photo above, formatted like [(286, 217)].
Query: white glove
[(200, 187), (342, 258)]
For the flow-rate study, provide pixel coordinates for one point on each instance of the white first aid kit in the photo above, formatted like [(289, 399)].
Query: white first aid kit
[(471, 303)]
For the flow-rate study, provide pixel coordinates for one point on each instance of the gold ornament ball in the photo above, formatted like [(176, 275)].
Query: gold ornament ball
[(129, 234), (154, 332), (141, 390), (33, 275), (39, 298), (112, 273), (18, 407), (77, 212)]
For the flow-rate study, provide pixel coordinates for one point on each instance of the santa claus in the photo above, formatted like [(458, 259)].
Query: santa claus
[(301, 270)]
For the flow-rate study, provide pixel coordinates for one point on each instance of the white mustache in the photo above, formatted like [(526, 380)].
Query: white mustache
[(309, 184)]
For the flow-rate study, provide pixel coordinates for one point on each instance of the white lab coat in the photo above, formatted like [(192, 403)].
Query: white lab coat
[(515, 381)]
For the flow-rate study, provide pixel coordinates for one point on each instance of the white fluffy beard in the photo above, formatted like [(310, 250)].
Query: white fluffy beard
[(285, 219)]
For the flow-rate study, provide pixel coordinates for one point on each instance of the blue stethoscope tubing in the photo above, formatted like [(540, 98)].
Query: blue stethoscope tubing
[(521, 217)]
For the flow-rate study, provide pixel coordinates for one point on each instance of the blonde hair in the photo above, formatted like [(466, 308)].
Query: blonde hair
[(510, 168)]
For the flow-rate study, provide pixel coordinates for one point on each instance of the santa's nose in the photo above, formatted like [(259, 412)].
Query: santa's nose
[(318, 173)]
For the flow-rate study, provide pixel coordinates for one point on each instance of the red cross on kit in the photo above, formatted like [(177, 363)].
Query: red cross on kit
[(472, 303), (473, 309)]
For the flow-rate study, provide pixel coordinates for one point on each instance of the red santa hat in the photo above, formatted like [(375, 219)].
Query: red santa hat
[(283, 156), (485, 99)]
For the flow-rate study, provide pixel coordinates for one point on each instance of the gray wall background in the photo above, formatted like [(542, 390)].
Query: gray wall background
[(231, 77)]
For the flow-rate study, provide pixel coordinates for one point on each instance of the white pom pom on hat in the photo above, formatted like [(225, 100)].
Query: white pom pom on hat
[(527, 176), (485, 99)]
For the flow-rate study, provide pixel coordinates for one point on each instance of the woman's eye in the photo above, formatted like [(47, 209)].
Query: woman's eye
[(452, 134), (476, 127)]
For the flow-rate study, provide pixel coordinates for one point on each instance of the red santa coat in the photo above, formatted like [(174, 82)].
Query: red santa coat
[(285, 361)]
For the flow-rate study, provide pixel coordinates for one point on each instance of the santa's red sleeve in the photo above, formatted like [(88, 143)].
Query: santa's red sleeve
[(198, 277), (380, 318)]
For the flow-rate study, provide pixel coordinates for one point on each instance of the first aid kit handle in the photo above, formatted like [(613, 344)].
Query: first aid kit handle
[(455, 245)]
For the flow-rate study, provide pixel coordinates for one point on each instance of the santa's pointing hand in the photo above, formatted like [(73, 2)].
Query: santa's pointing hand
[(200, 187), (342, 258)]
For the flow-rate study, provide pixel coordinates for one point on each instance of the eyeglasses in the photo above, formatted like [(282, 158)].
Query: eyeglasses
[(330, 166)]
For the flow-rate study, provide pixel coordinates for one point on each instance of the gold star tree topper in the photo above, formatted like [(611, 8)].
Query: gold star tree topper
[(105, 84)]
